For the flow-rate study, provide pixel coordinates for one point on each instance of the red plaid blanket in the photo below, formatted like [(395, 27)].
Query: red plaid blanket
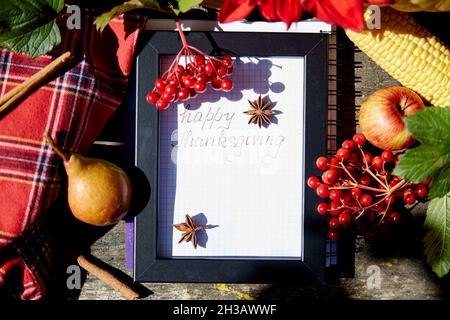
[(73, 107)]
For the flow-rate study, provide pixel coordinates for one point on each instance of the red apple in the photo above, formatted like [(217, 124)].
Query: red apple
[(381, 117)]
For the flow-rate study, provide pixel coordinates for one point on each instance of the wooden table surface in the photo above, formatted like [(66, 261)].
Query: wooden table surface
[(404, 274)]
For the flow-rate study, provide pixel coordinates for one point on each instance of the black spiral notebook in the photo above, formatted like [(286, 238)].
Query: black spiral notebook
[(176, 188)]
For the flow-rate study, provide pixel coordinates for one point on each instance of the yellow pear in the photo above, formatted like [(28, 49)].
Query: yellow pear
[(99, 192)]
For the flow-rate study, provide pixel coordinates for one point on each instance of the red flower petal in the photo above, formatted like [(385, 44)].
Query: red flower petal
[(268, 9), (345, 13), (234, 10), (289, 11)]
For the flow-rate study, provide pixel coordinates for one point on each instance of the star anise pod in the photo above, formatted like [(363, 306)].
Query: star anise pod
[(260, 112), (189, 228)]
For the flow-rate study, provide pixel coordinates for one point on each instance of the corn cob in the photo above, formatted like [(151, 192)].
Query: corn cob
[(422, 5), (409, 53)]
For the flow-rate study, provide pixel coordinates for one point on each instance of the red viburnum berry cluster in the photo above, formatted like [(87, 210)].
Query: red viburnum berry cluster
[(358, 187), (182, 82)]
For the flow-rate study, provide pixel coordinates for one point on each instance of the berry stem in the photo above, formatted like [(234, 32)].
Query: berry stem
[(348, 173), (361, 186), (376, 178), (367, 169), (182, 36), (386, 210), (402, 183)]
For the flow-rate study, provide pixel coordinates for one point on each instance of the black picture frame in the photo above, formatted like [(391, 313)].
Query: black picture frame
[(148, 267)]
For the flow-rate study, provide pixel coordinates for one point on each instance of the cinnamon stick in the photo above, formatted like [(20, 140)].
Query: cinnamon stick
[(108, 278), (36, 80)]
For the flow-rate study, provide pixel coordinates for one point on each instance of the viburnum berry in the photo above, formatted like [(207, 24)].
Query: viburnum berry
[(368, 157), (409, 198), (421, 191), (171, 89), (313, 182), (334, 161), (210, 69), (335, 208), (152, 97), (335, 194), (390, 199), (377, 163), (181, 82), (395, 217), (222, 71), (343, 154), (188, 81), (180, 70), (184, 94), (173, 81), (160, 85), (228, 61), (365, 180), (322, 191), (227, 85), (216, 83), (348, 144), (334, 223), (161, 105), (365, 200), (356, 192), (345, 219), (322, 163), (203, 77), (199, 59), (346, 199), (200, 87), (387, 156), (359, 139), (322, 208), (334, 235), (357, 187), (330, 176)]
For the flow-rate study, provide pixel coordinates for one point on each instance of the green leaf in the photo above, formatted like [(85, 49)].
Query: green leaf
[(431, 159), (440, 184), (28, 26), (431, 126), (437, 239), (422, 162), (186, 5), (103, 20)]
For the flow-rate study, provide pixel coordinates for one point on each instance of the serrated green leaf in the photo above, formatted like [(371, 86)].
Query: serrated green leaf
[(28, 26), (102, 21), (440, 184), (422, 162), (430, 126), (437, 239)]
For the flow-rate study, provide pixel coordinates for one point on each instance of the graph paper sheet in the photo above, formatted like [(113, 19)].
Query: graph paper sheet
[(243, 181)]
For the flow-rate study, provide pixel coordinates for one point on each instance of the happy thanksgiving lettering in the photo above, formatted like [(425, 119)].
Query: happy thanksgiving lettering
[(220, 129)]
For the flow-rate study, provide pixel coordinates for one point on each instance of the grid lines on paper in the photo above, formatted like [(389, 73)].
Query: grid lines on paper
[(248, 77)]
